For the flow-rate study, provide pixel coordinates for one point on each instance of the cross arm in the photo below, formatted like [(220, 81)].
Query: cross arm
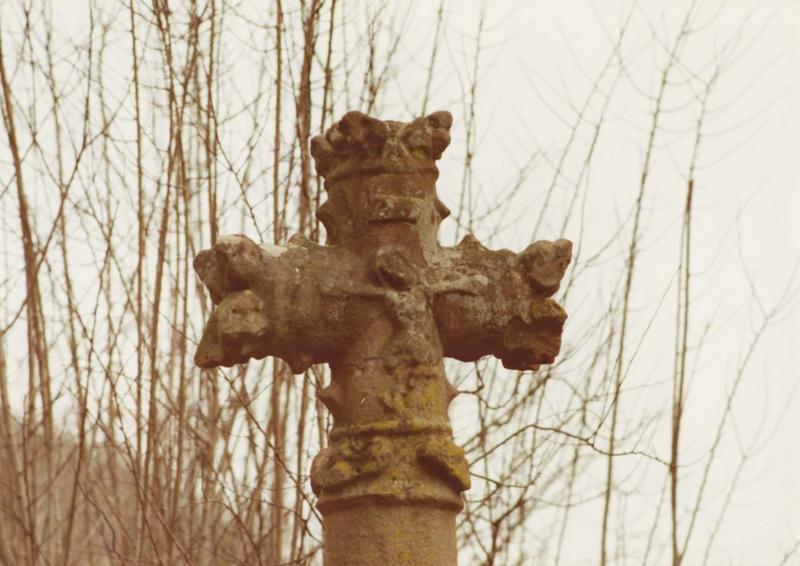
[(272, 300), (507, 311)]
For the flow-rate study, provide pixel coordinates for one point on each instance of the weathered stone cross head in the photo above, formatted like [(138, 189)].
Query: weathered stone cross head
[(383, 303)]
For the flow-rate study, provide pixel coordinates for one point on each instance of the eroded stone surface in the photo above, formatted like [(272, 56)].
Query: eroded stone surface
[(383, 303)]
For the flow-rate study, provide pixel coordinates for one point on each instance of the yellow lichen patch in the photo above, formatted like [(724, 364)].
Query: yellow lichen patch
[(344, 470), (448, 459)]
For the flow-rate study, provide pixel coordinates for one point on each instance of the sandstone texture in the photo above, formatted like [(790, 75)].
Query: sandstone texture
[(383, 303)]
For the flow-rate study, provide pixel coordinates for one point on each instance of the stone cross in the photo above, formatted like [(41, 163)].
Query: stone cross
[(382, 303)]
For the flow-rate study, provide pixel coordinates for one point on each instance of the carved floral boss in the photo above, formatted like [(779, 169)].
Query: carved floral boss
[(382, 303)]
